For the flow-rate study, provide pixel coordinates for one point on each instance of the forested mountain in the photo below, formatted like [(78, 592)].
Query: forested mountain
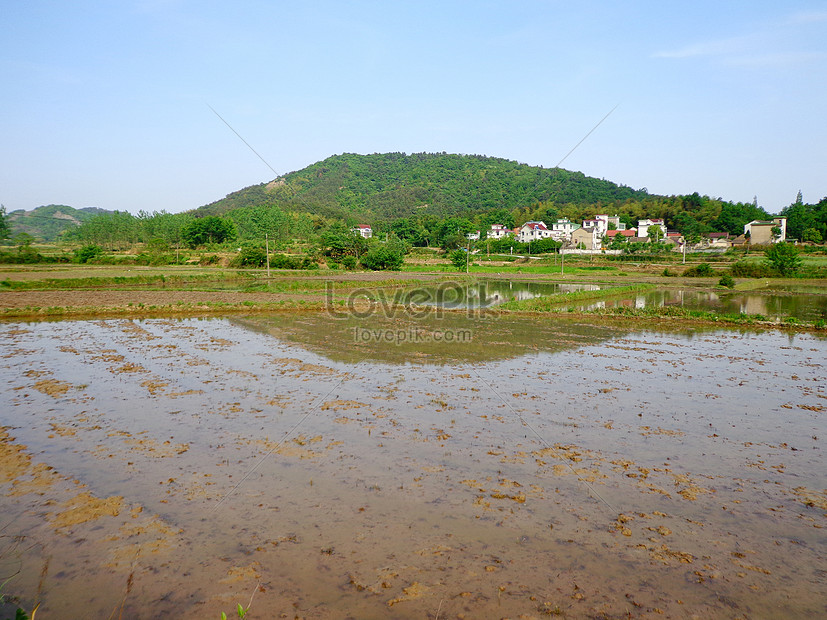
[(420, 197), (393, 185), (381, 188), (46, 223)]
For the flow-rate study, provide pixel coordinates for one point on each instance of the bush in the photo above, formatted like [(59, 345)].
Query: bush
[(383, 258), (668, 273), (250, 257), (698, 271), (87, 253), (727, 281), (349, 262), (210, 259), (746, 269)]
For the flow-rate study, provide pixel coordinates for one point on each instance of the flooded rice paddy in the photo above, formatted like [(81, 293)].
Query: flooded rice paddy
[(775, 305), (457, 468), (805, 303)]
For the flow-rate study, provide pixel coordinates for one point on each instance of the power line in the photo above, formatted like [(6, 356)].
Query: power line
[(586, 136), (243, 140)]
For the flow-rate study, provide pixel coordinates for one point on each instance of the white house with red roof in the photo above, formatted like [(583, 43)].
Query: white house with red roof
[(363, 229), (533, 231)]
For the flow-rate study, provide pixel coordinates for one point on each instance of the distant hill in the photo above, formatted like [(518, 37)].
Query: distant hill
[(46, 223), (393, 185)]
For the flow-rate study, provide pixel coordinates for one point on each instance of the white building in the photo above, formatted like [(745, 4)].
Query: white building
[(362, 229), (562, 229), (533, 231), (643, 227), (473, 236), (498, 231)]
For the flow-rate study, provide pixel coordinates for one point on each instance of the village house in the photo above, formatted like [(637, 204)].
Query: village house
[(761, 232), (615, 221), (718, 240), (599, 223), (562, 229), (625, 234), (533, 231), (587, 236), (643, 227), (498, 231), (473, 236), (362, 229)]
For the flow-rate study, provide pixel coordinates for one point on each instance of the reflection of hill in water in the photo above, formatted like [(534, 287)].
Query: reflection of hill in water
[(432, 340)]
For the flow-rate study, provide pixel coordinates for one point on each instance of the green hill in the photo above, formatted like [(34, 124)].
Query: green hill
[(46, 223), (394, 185)]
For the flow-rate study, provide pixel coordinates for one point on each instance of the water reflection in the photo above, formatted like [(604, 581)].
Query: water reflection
[(773, 305), (435, 339), (485, 293)]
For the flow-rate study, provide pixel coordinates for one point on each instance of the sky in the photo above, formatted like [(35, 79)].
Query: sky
[(108, 104)]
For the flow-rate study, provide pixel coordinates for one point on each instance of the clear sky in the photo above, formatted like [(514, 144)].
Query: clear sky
[(106, 103)]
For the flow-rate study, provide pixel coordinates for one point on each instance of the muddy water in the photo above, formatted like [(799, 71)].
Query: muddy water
[(163, 467)]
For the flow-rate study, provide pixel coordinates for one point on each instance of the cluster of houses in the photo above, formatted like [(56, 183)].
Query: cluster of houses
[(600, 231)]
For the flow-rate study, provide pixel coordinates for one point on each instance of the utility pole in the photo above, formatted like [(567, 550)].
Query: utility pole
[(267, 252), (562, 261), (467, 256)]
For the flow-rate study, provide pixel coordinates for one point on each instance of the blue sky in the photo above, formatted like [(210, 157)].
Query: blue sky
[(106, 103)]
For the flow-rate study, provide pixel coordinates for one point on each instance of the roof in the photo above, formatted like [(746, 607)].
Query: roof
[(535, 225), (363, 226), (719, 235), (623, 233)]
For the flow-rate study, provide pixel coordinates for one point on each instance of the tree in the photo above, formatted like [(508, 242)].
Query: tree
[(210, 229), (459, 258), (812, 235), (4, 223), (383, 257), (339, 241), (784, 258)]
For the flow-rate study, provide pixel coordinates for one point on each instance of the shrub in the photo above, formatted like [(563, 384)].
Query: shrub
[(250, 257), (383, 258), (698, 271), (87, 253), (746, 269), (349, 262), (727, 281), (667, 273)]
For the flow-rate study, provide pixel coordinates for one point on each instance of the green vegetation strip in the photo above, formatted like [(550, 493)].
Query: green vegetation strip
[(551, 303), (116, 282), (706, 316)]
